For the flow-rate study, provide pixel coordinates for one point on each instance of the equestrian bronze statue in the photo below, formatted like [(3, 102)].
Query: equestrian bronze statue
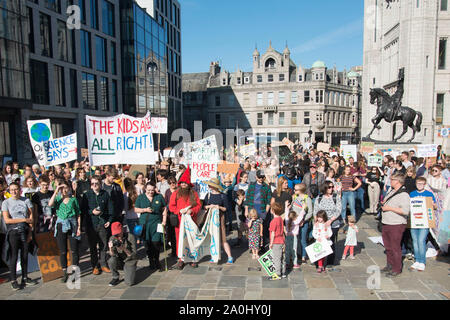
[(390, 109)]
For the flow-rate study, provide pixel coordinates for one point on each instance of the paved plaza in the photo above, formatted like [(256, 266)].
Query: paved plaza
[(246, 281)]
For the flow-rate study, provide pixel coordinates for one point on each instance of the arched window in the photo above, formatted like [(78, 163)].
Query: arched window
[(270, 63)]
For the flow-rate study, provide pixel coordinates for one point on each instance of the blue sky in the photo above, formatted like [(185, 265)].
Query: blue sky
[(227, 31)]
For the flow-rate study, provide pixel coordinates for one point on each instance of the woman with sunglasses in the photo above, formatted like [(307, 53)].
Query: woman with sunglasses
[(330, 202)]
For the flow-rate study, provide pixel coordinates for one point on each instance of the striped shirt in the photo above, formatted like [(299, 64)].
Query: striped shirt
[(347, 182)]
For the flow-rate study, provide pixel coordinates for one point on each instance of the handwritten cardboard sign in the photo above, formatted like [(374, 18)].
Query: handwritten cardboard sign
[(375, 160), (228, 167), (39, 131), (159, 125), (427, 150), (49, 256), (135, 169), (367, 147), (324, 147), (121, 139), (60, 150), (349, 150)]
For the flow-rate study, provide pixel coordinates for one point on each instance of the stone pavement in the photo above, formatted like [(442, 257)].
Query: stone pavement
[(246, 281)]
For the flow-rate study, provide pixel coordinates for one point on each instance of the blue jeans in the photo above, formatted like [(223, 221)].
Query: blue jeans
[(291, 250), (419, 239), (359, 197), (304, 238), (348, 196)]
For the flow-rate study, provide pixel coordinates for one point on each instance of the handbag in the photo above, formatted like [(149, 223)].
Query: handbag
[(173, 219), (141, 230)]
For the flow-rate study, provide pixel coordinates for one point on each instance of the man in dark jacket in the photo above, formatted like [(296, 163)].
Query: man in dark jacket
[(98, 210), (115, 193), (313, 180)]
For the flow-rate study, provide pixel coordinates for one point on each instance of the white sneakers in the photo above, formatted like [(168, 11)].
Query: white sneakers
[(418, 266)]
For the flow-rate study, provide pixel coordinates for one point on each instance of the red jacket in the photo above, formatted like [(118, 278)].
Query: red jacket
[(176, 205)]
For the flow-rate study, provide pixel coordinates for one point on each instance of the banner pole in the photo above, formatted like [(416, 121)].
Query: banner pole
[(164, 244)]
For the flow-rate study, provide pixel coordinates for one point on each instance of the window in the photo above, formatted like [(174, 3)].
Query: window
[(238, 80), (73, 88), (94, 17), (46, 35), (281, 77), (115, 107), (281, 118), (246, 80), (270, 63), (306, 95), (82, 5), (30, 30), (85, 49), (66, 38), (294, 97), (108, 18), (300, 77), (270, 119), (259, 78), (100, 47), (60, 99), (317, 76), (293, 118), (321, 76), (104, 103), (270, 78), (442, 53), (270, 98), (439, 108), (217, 119), (5, 141), (89, 91), (260, 119), (113, 59), (281, 97), (306, 118), (373, 81), (319, 96), (39, 82), (217, 101), (259, 99), (444, 5), (231, 100), (246, 99), (224, 82), (54, 5)]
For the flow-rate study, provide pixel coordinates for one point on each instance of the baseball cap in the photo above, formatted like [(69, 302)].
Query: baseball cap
[(116, 228), (312, 165)]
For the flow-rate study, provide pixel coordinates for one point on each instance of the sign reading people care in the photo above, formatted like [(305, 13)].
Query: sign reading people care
[(121, 139)]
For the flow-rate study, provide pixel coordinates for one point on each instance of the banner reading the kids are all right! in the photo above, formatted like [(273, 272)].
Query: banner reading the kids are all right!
[(121, 139)]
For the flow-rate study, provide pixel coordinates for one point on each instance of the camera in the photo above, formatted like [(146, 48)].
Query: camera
[(116, 243)]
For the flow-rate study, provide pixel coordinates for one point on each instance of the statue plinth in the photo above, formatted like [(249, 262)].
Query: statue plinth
[(377, 142)]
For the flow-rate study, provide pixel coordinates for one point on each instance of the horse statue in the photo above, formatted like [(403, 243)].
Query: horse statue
[(386, 109)]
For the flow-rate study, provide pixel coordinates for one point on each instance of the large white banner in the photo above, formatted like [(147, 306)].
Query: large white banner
[(121, 139), (426, 150), (60, 150), (195, 243), (39, 131)]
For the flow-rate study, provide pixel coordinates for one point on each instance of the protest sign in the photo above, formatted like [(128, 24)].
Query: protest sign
[(375, 160), (49, 257), (159, 125), (427, 150), (349, 150), (325, 147), (60, 150), (332, 154), (247, 150), (135, 169), (39, 131), (318, 250), (121, 139), (228, 167), (418, 213), (194, 244), (367, 147), (266, 262), (288, 142), (169, 153), (84, 153), (203, 159), (430, 212)]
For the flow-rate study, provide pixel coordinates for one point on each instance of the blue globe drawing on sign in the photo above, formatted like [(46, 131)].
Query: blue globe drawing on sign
[(40, 132)]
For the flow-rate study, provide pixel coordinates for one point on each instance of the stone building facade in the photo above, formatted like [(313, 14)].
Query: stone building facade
[(277, 97), (413, 35)]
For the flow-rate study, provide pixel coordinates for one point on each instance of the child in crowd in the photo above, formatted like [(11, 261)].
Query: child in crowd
[(277, 239), (322, 233), (255, 232), (350, 240), (292, 222), (419, 235), (240, 215)]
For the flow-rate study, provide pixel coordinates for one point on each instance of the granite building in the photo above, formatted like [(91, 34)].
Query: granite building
[(413, 35), (277, 95)]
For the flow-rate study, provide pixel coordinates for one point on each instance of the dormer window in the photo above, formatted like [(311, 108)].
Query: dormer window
[(238, 80), (270, 63), (300, 77), (246, 80), (224, 82), (317, 76)]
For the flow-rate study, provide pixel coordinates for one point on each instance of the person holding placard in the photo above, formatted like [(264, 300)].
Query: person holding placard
[(373, 182), (419, 235), (322, 232)]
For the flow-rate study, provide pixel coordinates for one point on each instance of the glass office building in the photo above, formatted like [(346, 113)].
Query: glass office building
[(144, 62)]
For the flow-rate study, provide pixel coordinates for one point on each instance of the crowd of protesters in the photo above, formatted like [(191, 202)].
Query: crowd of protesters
[(283, 204)]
